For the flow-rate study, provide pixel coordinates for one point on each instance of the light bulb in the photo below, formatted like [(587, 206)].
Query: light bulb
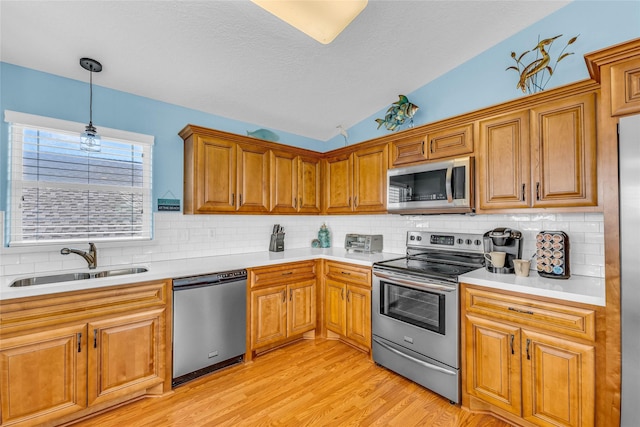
[(89, 139)]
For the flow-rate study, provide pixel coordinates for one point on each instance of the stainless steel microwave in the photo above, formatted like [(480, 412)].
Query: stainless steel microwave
[(435, 187)]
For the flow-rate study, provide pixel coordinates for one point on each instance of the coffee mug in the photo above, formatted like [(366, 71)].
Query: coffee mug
[(521, 267), (496, 258)]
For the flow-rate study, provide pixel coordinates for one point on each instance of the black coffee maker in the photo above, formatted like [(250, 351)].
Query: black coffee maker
[(505, 240)]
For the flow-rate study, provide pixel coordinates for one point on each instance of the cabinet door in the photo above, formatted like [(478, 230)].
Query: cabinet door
[(338, 184), (125, 355), (504, 165), (284, 182), (558, 381), (268, 316), (253, 179), (563, 139), (493, 363), (359, 315), (450, 142), (407, 151), (370, 179), (335, 307), (309, 178), (43, 375), (301, 310), (215, 176)]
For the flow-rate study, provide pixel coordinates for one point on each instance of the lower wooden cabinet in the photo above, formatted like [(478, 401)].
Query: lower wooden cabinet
[(347, 311), (111, 346), (282, 304), (518, 366)]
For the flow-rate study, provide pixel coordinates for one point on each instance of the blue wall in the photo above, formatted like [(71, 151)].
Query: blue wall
[(478, 83)]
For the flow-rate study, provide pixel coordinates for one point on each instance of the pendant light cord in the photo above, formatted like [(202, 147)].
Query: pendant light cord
[(91, 96)]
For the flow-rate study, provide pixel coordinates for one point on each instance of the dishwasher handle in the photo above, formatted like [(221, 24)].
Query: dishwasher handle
[(211, 279)]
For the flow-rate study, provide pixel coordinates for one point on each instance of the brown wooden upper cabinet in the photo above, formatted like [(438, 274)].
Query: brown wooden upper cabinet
[(355, 182), (226, 173), (543, 157), (295, 183), (450, 142), (222, 176)]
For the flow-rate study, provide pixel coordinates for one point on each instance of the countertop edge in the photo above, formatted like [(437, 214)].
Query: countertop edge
[(579, 289)]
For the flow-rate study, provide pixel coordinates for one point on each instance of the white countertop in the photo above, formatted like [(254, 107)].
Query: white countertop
[(588, 290), (187, 267)]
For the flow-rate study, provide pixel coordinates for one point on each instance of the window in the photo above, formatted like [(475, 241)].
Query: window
[(60, 193)]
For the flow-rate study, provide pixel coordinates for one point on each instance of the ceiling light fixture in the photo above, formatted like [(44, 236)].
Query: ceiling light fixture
[(322, 20), (89, 139)]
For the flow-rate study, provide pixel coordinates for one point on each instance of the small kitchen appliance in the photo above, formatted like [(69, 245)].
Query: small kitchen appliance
[(552, 253), (366, 243), (505, 240)]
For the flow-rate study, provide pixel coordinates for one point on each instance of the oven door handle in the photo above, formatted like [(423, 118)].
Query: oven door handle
[(416, 285), (415, 360)]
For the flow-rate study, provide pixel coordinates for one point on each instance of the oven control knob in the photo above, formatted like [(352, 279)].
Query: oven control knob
[(419, 238), (412, 237), (460, 241), (469, 241), (477, 242)]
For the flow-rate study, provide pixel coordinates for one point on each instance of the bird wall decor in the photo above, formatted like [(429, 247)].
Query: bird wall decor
[(535, 75)]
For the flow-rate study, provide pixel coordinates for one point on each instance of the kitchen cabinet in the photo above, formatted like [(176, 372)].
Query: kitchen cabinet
[(355, 181), (347, 294), (625, 87), (437, 144), (528, 360), (282, 304), (65, 356), (228, 173), (542, 157), (295, 183)]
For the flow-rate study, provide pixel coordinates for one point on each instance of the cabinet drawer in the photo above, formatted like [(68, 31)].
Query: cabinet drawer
[(564, 319), (281, 274), (349, 273)]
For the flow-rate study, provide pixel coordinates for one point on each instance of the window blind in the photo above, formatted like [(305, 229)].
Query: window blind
[(60, 193)]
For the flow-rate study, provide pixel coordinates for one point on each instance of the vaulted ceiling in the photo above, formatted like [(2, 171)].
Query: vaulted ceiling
[(233, 59)]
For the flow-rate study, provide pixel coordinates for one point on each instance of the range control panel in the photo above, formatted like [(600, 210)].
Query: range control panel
[(452, 241)]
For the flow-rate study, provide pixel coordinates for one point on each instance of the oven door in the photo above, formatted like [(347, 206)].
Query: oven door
[(418, 314)]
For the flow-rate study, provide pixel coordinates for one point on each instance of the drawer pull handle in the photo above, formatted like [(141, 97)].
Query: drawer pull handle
[(346, 273), (512, 338), (521, 311), (528, 343), (287, 273)]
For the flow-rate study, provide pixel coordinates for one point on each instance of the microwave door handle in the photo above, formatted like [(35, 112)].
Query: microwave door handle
[(448, 184)]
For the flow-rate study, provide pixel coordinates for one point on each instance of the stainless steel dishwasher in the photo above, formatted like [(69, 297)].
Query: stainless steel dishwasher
[(209, 323)]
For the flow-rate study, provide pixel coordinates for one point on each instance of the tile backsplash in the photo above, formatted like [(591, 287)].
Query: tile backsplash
[(180, 236)]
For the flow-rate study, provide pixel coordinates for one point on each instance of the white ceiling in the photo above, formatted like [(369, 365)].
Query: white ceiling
[(233, 59)]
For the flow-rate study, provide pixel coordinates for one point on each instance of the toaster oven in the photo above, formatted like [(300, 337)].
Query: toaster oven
[(368, 243)]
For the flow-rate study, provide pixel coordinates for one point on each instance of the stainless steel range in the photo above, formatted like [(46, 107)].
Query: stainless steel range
[(415, 309)]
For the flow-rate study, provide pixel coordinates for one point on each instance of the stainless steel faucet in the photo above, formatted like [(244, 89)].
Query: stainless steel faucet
[(91, 257)]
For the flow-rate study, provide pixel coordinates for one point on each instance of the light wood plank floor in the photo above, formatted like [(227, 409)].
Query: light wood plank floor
[(308, 383)]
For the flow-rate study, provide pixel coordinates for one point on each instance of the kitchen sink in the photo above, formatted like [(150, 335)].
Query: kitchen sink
[(120, 272), (68, 277)]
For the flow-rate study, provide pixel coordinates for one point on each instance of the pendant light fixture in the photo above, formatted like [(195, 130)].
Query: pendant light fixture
[(90, 139)]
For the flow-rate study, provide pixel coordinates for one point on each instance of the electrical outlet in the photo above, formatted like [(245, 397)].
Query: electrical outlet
[(212, 233)]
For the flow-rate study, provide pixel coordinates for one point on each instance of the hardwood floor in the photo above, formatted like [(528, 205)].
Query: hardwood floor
[(308, 383)]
